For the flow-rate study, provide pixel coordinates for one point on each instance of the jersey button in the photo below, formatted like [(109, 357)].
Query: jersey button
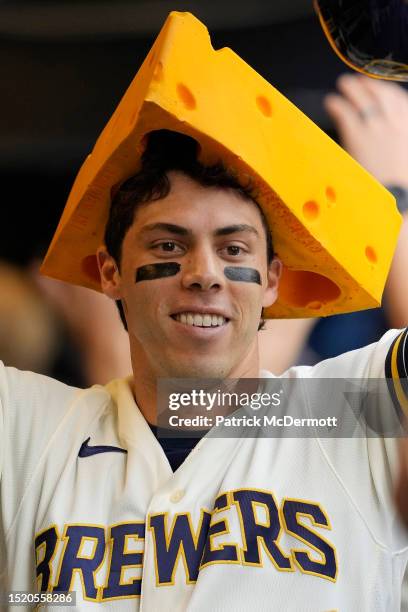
[(176, 496)]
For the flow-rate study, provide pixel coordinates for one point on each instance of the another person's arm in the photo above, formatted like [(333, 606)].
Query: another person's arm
[(371, 117), (94, 322)]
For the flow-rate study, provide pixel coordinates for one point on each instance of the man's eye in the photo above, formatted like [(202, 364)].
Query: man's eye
[(168, 247), (234, 250)]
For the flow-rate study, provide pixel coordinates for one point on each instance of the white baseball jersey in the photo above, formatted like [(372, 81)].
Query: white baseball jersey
[(243, 524)]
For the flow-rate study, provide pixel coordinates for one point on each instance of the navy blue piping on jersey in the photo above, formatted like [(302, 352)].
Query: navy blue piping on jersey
[(398, 353)]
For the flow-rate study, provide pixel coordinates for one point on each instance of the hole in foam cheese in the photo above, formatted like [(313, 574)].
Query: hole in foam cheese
[(301, 288)]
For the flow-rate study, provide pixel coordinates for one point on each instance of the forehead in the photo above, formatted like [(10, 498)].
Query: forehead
[(198, 207)]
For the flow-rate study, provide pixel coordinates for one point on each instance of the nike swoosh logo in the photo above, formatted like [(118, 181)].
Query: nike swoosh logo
[(88, 451)]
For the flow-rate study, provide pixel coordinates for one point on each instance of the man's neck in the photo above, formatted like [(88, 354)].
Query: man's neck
[(144, 382)]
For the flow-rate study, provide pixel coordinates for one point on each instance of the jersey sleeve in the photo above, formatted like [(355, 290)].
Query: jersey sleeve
[(32, 407), (382, 367), (396, 372), (386, 358), (366, 463)]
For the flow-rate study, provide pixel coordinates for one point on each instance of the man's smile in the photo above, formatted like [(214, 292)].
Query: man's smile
[(200, 315), (200, 319)]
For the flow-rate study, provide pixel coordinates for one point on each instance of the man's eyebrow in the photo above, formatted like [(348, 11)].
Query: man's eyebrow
[(233, 229), (178, 230)]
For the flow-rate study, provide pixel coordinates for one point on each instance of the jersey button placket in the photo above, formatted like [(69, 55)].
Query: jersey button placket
[(177, 495)]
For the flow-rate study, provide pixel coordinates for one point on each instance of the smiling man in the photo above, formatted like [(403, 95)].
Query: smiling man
[(199, 253), (92, 502)]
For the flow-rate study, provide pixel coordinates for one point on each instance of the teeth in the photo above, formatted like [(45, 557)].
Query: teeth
[(200, 320)]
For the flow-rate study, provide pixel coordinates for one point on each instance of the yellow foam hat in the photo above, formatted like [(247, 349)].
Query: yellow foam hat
[(333, 225)]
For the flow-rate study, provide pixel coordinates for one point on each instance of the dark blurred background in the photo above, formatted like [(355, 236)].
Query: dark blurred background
[(65, 66)]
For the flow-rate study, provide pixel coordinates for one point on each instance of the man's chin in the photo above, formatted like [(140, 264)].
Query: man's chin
[(200, 368)]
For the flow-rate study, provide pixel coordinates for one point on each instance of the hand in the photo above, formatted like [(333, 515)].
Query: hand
[(371, 117)]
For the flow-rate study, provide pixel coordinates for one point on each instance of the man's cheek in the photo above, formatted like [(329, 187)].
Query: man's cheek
[(145, 301)]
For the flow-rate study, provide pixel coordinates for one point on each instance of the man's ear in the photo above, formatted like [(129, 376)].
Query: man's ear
[(109, 272), (274, 274)]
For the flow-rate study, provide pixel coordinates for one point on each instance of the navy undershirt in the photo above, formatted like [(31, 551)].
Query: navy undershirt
[(175, 449)]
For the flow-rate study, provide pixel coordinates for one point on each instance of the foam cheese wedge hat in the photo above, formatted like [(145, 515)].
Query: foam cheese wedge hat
[(333, 225)]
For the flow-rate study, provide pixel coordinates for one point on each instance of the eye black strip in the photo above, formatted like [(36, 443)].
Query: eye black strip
[(157, 270), (245, 275)]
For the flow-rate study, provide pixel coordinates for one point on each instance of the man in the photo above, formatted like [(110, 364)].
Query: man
[(290, 524), (243, 522)]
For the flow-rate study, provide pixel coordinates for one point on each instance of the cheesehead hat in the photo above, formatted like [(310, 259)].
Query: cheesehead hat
[(333, 225)]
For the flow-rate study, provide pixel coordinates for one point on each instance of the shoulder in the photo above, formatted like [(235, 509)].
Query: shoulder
[(364, 459), (28, 391), (33, 406), (17, 384), (371, 361), (37, 412)]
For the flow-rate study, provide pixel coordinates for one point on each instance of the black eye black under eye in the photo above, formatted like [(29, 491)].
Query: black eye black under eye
[(246, 275), (157, 270)]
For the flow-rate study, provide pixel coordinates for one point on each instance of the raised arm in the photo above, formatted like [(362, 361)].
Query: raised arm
[(371, 117)]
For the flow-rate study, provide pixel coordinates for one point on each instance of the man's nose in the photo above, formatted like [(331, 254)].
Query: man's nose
[(202, 270)]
